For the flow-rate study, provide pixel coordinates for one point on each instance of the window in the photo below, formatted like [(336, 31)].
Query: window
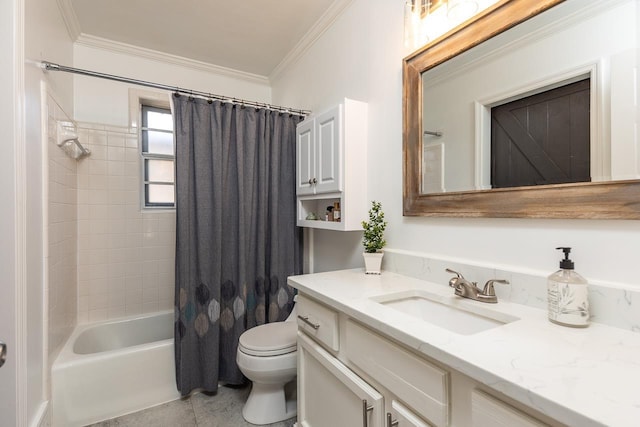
[(158, 157)]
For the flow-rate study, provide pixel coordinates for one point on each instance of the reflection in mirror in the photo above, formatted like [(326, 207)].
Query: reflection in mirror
[(609, 190), (549, 101)]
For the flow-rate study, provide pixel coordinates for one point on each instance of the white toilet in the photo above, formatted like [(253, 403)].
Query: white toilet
[(267, 355)]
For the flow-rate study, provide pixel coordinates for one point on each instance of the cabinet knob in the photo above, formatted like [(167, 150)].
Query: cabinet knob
[(315, 181), (310, 181), (390, 421)]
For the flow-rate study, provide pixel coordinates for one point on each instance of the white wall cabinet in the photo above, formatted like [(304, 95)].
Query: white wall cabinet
[(331, 166), (319, 153), (401, 388)]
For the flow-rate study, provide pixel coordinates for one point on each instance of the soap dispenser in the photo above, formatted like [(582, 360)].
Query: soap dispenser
[(567, 295)]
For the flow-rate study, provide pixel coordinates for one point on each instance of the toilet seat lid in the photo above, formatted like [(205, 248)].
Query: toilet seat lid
[(270, 339)]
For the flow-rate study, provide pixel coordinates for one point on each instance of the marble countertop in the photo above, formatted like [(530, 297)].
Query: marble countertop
[(580, 377)]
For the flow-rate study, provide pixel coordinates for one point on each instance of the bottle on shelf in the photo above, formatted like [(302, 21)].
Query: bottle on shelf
[(329, 214)]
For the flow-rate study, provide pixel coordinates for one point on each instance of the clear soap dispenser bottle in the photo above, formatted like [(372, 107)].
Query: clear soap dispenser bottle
[(567, 294)]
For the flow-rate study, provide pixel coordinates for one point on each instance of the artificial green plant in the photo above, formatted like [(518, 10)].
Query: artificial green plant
[(373, 239)]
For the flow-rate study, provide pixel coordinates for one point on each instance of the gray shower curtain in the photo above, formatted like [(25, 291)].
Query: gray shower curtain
[(236, 234)]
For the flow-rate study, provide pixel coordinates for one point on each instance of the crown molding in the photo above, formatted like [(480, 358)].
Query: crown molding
[(308, 40), (119, 47), (70, 19)]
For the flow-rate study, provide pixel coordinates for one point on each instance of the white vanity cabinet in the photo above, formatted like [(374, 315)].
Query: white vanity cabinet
[(329, 393), (421, 385), (343, 365), (331, 166), (487, 411), (398, 415)]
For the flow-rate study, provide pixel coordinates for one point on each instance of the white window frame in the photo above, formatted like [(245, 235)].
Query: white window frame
[(138, 99)]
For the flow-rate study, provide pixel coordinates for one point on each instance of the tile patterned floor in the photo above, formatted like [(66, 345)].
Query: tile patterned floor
[(224, 409)]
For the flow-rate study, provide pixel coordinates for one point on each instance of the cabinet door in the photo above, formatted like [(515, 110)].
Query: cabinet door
[(330, 394), (329, 151), (404, 417), (305, 149)]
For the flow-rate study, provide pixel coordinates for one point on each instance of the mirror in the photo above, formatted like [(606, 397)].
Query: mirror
[(452, 85)]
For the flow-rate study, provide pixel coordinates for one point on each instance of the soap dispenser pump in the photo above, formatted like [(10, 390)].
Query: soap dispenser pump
[(567, 294)]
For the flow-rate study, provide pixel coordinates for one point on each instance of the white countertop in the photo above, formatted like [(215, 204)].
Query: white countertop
[(580, 377)]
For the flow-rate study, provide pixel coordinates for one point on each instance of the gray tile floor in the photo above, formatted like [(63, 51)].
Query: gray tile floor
[(224, 409)]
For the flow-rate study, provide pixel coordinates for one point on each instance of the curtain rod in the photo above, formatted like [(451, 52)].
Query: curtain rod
[(49, 66)]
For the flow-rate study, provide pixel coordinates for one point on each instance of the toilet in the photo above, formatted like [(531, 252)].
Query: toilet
[(267, 355)]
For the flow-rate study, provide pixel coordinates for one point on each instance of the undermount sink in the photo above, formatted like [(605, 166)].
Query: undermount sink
[(451, 313)]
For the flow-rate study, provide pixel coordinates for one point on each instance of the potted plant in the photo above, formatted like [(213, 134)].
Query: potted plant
[(373, 239)]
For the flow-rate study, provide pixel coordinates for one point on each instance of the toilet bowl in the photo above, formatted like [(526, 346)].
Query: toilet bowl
[(267, 355)]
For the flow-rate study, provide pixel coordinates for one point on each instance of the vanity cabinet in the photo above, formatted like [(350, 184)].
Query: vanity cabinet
[(487, 411), (331, 166), (419, 383), (330, 394), (343, 365)]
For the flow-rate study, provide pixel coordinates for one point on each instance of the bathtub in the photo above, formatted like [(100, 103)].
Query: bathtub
[(113, 368)]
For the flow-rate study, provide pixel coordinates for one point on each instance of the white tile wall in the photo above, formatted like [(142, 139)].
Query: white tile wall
[(125, 255), (61, 289)]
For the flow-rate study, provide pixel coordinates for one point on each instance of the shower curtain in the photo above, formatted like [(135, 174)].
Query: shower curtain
[(236, 234)]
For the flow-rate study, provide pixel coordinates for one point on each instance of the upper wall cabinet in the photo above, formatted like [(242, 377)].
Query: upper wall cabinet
[(319, 145), (331, 166)]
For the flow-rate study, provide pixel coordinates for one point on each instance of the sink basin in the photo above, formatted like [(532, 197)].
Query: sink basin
[(450, 313)]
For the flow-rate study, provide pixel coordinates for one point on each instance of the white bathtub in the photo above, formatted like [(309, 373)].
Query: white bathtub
[(113, 368)]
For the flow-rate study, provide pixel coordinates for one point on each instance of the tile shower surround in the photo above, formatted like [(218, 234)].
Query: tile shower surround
[(610, 304), (61, 231), (125, 255)]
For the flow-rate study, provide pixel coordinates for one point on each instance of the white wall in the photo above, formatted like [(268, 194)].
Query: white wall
[(361, 57), (46, 38), (10, 17), (107, 102)]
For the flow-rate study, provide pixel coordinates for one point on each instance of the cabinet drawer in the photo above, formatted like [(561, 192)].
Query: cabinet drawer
[(487, 411), (318, 321), (404, 417), (416, 382)]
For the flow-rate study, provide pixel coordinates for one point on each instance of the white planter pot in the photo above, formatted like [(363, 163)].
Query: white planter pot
[(372, 262)]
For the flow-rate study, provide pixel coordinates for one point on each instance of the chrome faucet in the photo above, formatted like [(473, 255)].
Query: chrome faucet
[(467, 289)]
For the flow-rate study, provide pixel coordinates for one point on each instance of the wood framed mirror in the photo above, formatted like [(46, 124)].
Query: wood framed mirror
[(616, 199)]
